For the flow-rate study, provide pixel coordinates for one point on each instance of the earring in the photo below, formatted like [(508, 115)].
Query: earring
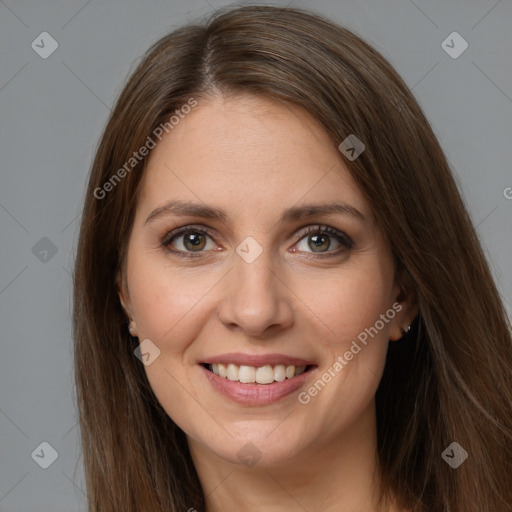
[(405, 331), (132, 328)]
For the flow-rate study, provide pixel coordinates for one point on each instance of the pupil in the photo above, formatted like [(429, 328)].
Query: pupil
[(318, 241), (194, 240)]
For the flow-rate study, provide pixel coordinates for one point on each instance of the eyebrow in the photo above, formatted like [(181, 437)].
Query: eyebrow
[(186, 209)]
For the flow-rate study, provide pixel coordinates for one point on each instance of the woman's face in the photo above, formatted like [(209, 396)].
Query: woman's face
[(253, 290)]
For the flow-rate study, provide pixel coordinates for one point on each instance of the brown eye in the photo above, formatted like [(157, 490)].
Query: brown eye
[(187, 240), (320, 240), (194, 241)]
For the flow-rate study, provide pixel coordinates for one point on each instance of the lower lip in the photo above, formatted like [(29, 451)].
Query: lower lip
[(255, 394)]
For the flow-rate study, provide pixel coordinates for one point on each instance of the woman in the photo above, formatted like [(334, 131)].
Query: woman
[(280, 300)]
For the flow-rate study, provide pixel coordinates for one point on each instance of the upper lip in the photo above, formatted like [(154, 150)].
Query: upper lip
[(257, 360)]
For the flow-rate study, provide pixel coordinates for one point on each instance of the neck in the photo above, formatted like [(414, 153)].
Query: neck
[(338, 473)]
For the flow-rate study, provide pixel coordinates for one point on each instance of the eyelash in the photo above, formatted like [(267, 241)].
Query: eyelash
[(345, 241)]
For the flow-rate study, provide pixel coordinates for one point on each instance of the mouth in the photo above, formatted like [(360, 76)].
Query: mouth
[(264, 375), (256, 380)]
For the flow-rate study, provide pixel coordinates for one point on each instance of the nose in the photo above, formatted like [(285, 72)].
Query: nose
[(256, 301)]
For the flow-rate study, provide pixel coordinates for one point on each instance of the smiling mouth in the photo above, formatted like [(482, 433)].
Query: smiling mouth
[(256, 375)]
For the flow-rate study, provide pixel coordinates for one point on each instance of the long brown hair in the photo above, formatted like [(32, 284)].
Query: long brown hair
[(449, 380)]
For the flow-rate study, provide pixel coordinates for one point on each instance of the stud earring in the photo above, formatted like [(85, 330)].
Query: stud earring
[(405, 331), (132, 328)]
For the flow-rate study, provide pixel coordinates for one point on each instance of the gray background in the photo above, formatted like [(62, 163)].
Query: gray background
[(52, 112)]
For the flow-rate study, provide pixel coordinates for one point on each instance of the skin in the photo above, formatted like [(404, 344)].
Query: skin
[(254, 158)]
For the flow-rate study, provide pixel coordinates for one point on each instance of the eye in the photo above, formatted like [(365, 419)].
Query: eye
[(319, 239), (188, 240)]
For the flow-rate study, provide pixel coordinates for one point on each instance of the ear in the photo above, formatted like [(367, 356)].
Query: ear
[(124, 294), (124, 298), (406, 308)]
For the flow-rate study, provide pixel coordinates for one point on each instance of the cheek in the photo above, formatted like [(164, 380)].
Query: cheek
[(169, 308), (347, 303), (349, 308), (167, 303)]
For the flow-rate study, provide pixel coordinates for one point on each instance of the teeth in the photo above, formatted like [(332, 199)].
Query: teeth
[(247, 374), (265, 375), (232, 373), (223, 371), (262, 375), (280, 372)]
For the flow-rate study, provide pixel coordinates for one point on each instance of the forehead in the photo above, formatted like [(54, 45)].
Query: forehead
[(248, 153)]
